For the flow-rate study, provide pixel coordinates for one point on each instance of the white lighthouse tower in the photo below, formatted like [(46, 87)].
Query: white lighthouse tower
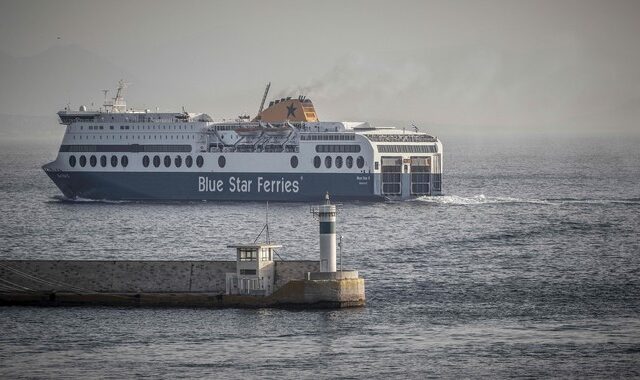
[(326, 214)]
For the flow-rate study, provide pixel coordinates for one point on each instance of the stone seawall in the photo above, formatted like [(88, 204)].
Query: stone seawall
[(132, 276)]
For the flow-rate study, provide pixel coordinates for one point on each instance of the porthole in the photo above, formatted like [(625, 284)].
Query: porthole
[(114, 161), (221, 162), (156, 161), (317, 161), (178, 161), (93, 161), (294, 161), (83, 161), (167, 161), (124, 161), (339, 162), (327, 162), (200, 161), (360, 162), (145, 161), (188, 161), (103, 161), (72, 161)]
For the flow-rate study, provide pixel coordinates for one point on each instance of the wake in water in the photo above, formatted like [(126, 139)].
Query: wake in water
[(63, 199), (483, 199), (476, 200)]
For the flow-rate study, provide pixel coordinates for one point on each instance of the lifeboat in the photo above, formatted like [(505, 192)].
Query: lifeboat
[(282, 130), (250, 130)]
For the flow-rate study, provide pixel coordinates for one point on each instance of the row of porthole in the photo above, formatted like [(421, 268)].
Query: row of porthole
[(328, 161), (93, 161), (177, 161), (188, 161)]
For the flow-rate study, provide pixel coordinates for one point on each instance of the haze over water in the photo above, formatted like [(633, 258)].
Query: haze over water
[(528, 266)]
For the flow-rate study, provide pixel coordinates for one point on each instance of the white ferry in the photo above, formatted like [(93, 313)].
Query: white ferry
[(285, 153)]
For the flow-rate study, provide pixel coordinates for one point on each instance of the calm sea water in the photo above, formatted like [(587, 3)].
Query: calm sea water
[(529, 266)]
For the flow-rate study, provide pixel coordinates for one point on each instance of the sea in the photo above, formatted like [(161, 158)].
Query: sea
[(528, 266)]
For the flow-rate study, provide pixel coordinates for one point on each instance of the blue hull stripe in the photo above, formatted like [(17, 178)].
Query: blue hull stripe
[(213, 186)]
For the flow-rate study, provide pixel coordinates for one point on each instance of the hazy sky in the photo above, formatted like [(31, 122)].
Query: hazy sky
[(515, 65)]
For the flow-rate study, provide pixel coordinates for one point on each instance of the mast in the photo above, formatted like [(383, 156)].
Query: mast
[(264, 98)]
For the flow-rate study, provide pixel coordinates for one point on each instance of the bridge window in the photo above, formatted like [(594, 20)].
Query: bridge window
[(349, 162), (317, 162), (83, 161), (178, 161), (338, 148), (327, 162), (156, 161), (167, 161), (103, 161), (360, 162), (114, 161), (145, 161), (339, 162), (72, 161), (124, 161), (93, 161), (188, 161)]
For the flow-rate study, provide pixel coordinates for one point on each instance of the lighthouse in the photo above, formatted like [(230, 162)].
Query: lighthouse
[(326, 214)]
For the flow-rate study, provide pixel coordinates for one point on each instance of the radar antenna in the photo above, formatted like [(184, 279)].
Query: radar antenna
[(264, 98)]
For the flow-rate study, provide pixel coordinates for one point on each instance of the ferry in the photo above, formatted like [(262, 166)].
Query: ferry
[(284, 153)]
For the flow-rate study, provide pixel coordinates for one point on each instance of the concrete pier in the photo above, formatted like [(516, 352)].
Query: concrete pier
[(167, 283)]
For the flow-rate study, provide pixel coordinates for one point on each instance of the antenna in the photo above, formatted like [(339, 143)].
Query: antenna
[(105, 97), (266, 223), (266, 227), (264, 97)]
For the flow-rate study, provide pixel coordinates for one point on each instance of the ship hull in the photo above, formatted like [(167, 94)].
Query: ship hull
[(194, 186)]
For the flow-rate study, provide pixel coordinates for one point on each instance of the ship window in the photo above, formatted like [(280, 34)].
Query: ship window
[(156, 161), (114, 161), (93, 161), (178, 161), (327, 162), (200, 161), (111, 127), (103, 161), (83, 161), (145, 161), (188, 161), (221, 162), (349, 162), (124, 161), (294, 162), (377, 165), (167, 161), (72, 161), (340, 148), (339, 162), (360, 162), (317, 161)]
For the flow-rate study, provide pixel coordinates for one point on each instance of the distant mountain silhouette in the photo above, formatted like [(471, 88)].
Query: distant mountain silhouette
[(44, 83)]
